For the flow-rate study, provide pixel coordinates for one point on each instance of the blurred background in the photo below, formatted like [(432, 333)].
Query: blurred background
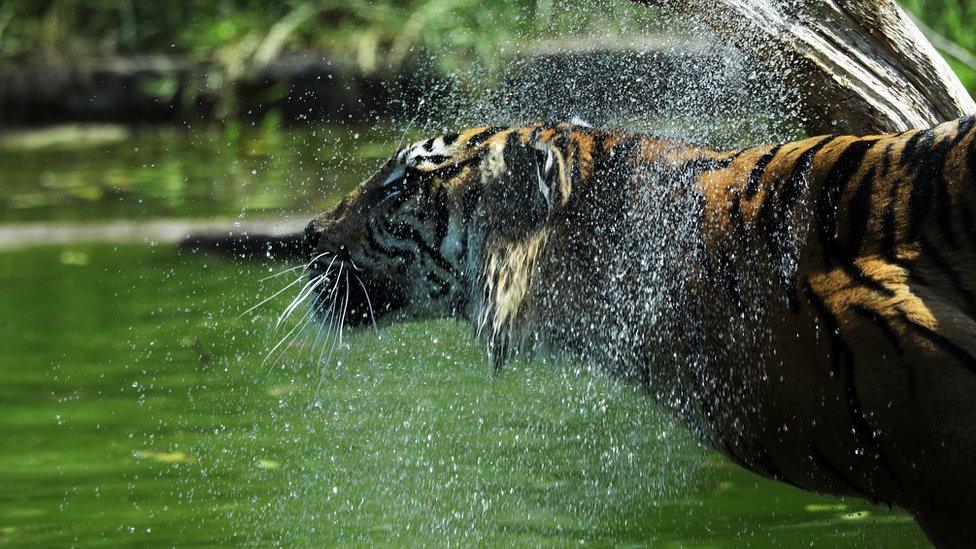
[(145, 394)]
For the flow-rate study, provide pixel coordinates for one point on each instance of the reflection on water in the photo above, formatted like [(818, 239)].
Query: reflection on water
[(176, 173)]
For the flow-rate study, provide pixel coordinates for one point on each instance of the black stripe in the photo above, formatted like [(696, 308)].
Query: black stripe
[(963, 126), (859, 213), (451, 170), (702, 165), (889, 226), (886, 158), (840, 173), (436, 158), (406, 232), (943, 202), (450, 138), (842, 363), (391, 251), (763, 219), (727, 272), (882, 325), (572, 157), (757, 172), (441, 215), (792, 185), (964, 357), (512, 139), (774, 223), (894, 340), (946, 268), (740, 152), (861, 278), (927, 169), (843, 170), (735, 216), (969, 223), (599, 142), (909, 152), (483, 136), (832, 328)]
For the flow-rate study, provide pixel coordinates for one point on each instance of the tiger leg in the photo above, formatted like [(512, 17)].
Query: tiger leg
[(944, 354), (910, 393)]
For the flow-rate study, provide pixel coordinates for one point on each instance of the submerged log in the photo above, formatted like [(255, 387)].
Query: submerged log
[(860, 66), (279, 239), (175, 89)]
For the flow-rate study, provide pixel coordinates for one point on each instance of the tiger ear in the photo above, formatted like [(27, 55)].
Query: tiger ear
[(522, 186)]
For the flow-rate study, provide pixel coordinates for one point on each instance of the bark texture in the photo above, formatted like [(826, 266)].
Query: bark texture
[(860, 66)]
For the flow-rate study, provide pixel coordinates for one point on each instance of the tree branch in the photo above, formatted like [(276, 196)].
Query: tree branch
[(861, 66)]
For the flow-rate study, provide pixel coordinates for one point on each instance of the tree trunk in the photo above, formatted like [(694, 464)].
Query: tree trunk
[(860, 66)]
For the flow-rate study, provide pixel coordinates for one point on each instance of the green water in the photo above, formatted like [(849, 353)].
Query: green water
[(111, 173), (137, 405)]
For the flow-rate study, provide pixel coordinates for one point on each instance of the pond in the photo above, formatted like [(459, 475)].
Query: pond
[(141, 402)]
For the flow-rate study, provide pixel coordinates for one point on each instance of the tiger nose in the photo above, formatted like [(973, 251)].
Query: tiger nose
[(312, 238)]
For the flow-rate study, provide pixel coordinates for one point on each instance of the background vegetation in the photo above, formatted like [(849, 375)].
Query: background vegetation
[(371, 32), (237, 38), (949, 24)]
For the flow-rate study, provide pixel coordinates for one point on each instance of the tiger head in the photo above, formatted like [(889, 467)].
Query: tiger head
[(411, 241)]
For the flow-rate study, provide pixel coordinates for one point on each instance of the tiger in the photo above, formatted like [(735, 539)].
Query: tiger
[(807, 308)]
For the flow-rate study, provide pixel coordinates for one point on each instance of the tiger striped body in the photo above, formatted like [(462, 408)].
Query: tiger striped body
[(873, 391), (808, 308)]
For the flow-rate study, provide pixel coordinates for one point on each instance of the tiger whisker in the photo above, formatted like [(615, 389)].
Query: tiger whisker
[(369, 304), (281, 341), (316, 307), (326, 351), (304, 267), (279, 273), (316, 343), (276, 294), (330, 310), (334, 288), (345, 306), (305, 292), (326, 355), (331, 325)]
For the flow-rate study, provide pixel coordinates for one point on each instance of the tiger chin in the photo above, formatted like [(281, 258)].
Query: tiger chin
[(806, 308)]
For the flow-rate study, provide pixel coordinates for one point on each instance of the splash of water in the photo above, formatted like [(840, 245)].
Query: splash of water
[(613, 65)]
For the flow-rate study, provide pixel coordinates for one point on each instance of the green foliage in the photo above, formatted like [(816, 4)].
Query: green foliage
[(953, 20), (239, 37), (368, 31)]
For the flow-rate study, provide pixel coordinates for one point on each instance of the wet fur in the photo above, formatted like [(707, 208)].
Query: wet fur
[(808, 308)]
